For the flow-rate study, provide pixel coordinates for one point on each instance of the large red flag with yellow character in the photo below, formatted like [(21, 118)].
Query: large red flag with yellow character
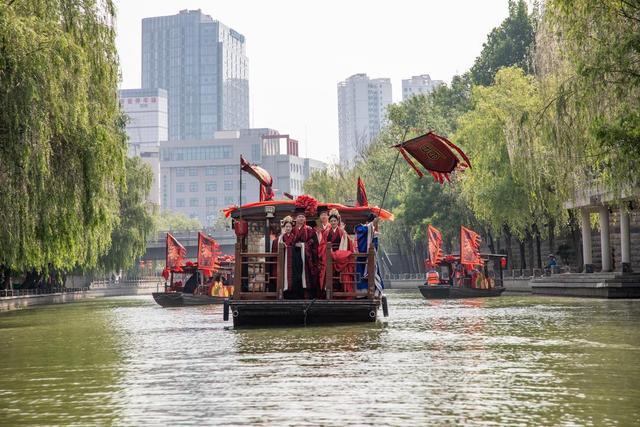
[(175, 253), (208, 253), (434, 238), (436, 154), (469, 247)]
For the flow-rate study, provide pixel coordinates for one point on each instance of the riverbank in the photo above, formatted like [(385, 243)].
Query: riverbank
[(96, 290)]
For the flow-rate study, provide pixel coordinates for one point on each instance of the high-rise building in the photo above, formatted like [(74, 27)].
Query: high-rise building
[(419, 85), (203, 66), (146, 127), (362, 109)]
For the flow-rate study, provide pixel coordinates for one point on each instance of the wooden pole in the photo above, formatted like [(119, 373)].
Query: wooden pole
[(384, 196), (281, 272), (237, 279), (371, 271), (328, 277)]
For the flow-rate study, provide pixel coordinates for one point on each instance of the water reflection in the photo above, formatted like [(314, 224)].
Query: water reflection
[(508, 360)]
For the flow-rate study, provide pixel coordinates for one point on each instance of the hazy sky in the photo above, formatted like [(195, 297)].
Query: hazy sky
[(299, 50)]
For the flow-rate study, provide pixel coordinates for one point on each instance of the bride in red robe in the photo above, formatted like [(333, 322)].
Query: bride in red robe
[(341, 250)]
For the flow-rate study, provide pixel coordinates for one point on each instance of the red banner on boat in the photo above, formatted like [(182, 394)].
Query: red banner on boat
[(175, 254), (208, 254), (361, 196), (436, 154), (469, 247), (434, 238)]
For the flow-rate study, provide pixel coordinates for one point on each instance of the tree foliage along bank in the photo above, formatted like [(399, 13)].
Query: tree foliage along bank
[(64, 186), (549, 107)]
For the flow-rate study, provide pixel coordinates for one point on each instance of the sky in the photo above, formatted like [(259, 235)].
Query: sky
[(299, 50)]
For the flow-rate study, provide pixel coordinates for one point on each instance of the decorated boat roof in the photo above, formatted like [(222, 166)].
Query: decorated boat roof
[(281, 208)]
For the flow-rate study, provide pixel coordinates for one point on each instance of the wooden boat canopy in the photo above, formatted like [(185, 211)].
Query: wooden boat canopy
[(258, 211)]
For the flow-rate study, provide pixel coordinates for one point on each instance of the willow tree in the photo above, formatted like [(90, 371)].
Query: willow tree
[(62, 145), (587, 64)]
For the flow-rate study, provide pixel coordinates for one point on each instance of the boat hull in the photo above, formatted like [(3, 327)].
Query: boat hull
[(178, 299), (452, 292), (302, 312)]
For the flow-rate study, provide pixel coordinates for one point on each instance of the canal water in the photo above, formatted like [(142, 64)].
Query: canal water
[(514, 360)]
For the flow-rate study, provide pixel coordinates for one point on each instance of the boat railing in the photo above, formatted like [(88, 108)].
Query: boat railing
[(350, 276), (254, 277)]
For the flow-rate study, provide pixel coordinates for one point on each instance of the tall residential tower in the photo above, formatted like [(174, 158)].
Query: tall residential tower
[(362, 109), (203, 66)]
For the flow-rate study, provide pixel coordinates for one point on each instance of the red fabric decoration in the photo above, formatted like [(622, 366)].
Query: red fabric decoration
[(434, 238), (208, 254), (343, 265), (266, 193), (361, 197), (469, 247), (436, 154), (263, 177), (165, 273), (309, 204), (384, 214), (175, 253)]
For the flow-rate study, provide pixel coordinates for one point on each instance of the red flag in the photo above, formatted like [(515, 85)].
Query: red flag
[(436, 154), (266, 193), (175, 253), (208, 253), (469, 247), (361, 198), (434, 238)]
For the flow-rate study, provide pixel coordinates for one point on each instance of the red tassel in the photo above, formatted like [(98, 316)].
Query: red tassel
[(408, 159)]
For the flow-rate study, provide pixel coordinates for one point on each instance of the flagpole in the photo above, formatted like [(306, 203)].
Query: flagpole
[(240, 201), (384, 196)]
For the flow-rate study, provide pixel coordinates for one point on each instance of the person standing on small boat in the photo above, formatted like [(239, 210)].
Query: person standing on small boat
[(340, 243), (322, 226), (305, 258), (286, 238)]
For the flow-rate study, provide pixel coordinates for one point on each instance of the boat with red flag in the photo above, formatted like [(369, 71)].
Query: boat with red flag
[(206, 281), (470, 274)]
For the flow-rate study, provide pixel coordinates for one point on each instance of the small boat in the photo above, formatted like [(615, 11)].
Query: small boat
[(179, 299), (185, 281), (456, 292), (451, 280)]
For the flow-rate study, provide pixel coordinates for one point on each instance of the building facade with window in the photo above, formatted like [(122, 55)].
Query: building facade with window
[(419, 85), (202, 177), (204, 68), (362, 110), (146, 127)]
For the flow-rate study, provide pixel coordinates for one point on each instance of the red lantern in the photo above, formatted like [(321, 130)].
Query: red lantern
[(503, 262)]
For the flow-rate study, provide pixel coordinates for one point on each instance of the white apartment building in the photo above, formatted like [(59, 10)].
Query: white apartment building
[(146, 128), (362, 109), (419, 85)]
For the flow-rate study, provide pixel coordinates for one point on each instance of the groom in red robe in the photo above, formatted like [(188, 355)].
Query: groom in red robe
[(305, 258)]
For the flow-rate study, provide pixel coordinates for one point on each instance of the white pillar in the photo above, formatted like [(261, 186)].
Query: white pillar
[(587, 259), (625, 236), (605, 244)]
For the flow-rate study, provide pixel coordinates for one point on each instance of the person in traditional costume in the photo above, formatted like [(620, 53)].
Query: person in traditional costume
[(287, 239), (366, 236), (341, 249), (305, 258), (321, 226)]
